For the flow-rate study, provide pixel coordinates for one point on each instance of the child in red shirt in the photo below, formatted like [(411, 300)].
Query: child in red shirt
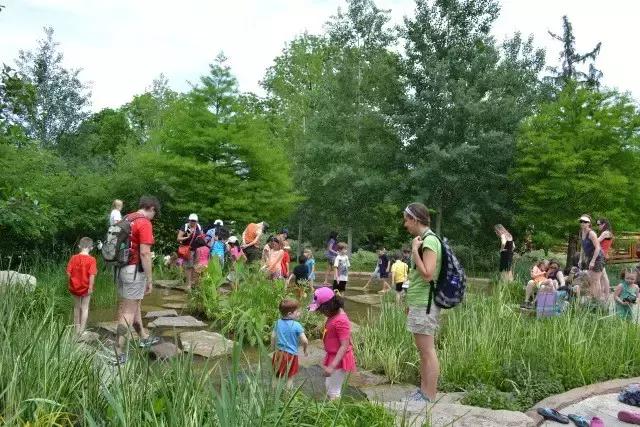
[(336, 338), (82, 272)]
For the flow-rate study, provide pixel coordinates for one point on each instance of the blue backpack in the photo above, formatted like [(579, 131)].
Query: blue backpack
[(448, 290)]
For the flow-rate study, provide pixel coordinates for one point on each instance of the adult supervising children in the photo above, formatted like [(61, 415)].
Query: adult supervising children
[(592, 256), (423, 320), (251, 240), (135, 280)]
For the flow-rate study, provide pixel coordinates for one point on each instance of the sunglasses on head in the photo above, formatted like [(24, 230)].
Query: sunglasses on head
[(582, 221)]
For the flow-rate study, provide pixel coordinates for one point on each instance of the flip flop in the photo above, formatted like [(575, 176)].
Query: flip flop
[(553, 415), (579, 420), (597, 422), (629, 417)]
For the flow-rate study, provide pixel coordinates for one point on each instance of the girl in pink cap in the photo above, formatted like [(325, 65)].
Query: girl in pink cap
[(336, 339)]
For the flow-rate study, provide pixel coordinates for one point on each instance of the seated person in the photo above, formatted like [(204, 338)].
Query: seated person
[(626, 294), (538, 278), (576, 280)]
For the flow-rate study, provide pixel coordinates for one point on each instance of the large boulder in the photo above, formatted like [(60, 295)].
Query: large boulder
[(13, 278), (206, 343)]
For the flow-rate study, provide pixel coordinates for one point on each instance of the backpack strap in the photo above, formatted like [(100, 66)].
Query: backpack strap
[(432, 283)]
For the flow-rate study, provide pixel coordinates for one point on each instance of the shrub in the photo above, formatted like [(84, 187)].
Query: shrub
[(363, 260)]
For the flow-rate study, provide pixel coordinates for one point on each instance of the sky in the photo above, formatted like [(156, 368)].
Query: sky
[(122, 45)]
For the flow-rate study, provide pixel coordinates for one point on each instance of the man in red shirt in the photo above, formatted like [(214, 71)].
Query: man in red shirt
[(135, 280)]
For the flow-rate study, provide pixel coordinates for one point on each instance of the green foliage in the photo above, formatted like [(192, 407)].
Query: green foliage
[(251, 310), (578, 154), (363, 260)]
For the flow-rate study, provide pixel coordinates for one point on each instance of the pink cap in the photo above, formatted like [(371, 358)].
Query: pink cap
[(320, 296)]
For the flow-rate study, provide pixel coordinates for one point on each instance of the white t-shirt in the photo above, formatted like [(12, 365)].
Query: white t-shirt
[(342, 264), (115, 217)]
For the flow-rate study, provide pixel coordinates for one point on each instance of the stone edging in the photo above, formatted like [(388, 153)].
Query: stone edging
[(576, 395)]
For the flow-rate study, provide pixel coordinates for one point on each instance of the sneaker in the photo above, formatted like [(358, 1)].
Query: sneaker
[(417, 396), (149, 341), (120, 359)]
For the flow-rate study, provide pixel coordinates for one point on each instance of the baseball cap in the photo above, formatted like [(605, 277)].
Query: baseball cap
[(233, 239), (320, 296), (193, 217), (218, 222)]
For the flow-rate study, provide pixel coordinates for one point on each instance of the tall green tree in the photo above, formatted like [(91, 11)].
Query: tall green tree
[(569, 70), (468, 96), (61, 98), (578, 155)]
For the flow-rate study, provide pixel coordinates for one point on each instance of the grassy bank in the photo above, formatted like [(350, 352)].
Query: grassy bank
[(505, 359), (48, 379)]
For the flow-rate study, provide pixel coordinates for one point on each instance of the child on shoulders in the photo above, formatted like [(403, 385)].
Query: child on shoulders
[(82, 271), (286, 335), (339, 360), (626, 294)]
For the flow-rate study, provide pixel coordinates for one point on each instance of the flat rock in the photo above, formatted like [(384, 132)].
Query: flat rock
[(161, 313), (175, 298), (369, 299), (363, 379), (398, 392), (164, 350), (604, 406), (448, 414), (112, 328), (206, 343), (316, 354), (175, 305), (169, 284), (13, 278), (89, 337), (177, 322)]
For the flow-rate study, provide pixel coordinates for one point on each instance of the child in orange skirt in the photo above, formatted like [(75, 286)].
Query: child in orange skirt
[(286, 335)]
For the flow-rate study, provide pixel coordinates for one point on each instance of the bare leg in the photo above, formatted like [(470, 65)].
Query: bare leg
[(429, 365), (529, 291), (84, 313), (126, 316), (594, 284), (137, 322), (604, 283), (77, 306)]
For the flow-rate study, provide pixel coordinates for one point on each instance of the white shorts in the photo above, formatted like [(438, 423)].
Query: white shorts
[(334, 383), (131, 283)]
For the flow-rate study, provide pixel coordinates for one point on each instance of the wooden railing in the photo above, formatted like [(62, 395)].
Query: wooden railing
[(625, 248)]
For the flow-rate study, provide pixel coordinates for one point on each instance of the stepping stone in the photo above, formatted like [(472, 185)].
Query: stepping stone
[(168, 284), (176, 298), (206, 343), (112, 327), (369, 299), (316, 354), (357, 288), (161, 313), (164, 350), (89, 337), (448, 414), (363, 379), (175, 305), (604, 406), (388, 392), (177, 322)]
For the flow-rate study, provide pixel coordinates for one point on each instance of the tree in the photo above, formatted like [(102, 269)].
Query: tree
[(578, 155), (571, 59), (61, 99), (17, 98), (219, 88), (467, 99)]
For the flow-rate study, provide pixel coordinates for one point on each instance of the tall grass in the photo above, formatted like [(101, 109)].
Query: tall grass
[(46, 378), (506, 358)]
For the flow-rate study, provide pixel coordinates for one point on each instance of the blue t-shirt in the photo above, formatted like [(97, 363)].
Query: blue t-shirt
[(287, 333), (310, 263), (218, 249)]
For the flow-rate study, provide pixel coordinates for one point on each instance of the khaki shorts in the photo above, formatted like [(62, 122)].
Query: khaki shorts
[(419, 322), (131, 284)]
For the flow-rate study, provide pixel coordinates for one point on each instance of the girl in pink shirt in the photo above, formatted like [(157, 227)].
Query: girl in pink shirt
[(201, 256), (336, 339)]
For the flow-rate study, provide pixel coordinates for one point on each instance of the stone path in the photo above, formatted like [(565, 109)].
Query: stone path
[(370, 299), (175, 305), (111, 327), (169, 284), (206, 343), (160, 313), (176, 322)]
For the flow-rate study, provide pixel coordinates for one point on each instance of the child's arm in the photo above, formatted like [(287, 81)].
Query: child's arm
[(344, 346), (92, 280), (273, 340), (616, 294), (305, 343), (393, 276)]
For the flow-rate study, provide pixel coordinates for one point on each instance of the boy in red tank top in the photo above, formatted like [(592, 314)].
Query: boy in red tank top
[(82, 271)]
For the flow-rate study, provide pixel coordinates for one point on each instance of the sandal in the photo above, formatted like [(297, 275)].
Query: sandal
[(553, 415), (597, 422), (579, 420), (629, 417)]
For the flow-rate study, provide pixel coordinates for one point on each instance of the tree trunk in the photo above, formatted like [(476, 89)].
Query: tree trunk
[(572, 243), (349, 240), (439, 221), (299, 251)]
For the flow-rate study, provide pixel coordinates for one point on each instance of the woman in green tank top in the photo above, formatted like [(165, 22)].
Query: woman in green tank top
[(426, 256)]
